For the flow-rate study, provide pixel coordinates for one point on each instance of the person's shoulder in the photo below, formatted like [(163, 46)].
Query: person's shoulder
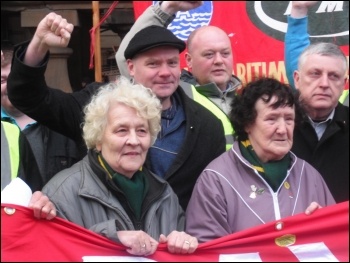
[(63, 145), (342, 107), (187, 78), (95, 85), (196, 111), (205, 113), (83, 96), (92, 87), (221, 161), (342, 113), (300, 164), (10, 126), (194, 106), (220, 168), (154, 177), (69, 176)]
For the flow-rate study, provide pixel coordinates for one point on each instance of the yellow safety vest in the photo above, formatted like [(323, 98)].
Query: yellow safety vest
[(191, 91), (343, 97), (12, 133)]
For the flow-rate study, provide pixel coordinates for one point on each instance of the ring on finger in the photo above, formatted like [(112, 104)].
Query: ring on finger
[(143, 246), (187, 242)]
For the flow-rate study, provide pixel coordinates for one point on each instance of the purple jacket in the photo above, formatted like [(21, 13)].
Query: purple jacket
[(231, 196)]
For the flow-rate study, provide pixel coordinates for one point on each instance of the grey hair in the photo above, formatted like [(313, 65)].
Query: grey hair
[(135, 96), (323, 49)]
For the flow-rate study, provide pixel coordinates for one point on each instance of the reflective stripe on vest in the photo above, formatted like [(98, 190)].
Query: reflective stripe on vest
[(12, 133), (191, 92), (344, 96)]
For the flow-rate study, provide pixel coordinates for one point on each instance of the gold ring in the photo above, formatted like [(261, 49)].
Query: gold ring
[(187, 242)]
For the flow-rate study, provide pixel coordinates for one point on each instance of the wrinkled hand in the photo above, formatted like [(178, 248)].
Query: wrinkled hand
[(312, 208), (138, 242), (42, 206), (171, 7), (179, 242)]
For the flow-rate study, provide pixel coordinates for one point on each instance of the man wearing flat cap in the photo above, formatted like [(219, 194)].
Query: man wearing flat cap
[(208, 79), (191, 136), (150, 37)]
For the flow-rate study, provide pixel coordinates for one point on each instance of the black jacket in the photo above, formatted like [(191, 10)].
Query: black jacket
[(28, 169), (63, 112), (330, 155), (53, 151), (58, 152)]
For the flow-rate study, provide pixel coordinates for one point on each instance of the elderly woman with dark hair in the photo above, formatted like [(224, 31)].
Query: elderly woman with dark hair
[(109, 191), (259, 179)]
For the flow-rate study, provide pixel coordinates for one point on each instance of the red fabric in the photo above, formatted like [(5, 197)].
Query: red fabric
[(93, 32), (24, 238), (254, 52)]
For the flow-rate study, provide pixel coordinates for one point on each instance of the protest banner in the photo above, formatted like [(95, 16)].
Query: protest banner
[(257, 30), (320, 237)]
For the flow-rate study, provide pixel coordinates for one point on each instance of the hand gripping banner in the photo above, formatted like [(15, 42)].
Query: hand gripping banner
[(320, 237)]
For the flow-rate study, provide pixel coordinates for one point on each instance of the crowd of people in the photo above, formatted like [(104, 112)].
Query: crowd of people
[(164, 155)]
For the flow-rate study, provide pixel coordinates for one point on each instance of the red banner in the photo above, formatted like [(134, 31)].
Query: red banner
[(257, 30), (323, 236)]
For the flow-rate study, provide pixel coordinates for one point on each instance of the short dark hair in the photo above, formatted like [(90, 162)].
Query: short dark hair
[(243, 112)]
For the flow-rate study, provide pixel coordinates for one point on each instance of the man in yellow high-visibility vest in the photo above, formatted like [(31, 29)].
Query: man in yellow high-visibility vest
[(17, 158)]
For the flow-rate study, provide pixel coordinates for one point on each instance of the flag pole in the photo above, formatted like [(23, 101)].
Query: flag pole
[(97, 58)]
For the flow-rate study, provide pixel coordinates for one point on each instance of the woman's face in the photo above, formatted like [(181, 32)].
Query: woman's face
[(125, 140), (271, 135)]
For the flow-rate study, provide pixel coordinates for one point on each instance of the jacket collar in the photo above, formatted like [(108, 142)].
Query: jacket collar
[(88, 187), (210, 89)]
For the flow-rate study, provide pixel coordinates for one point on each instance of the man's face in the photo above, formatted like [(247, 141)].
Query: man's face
[(321, 81), (157, 69), (5, 102), (210, 58)]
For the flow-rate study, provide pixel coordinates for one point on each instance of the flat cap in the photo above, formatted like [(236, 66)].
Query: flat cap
[(150, 37)]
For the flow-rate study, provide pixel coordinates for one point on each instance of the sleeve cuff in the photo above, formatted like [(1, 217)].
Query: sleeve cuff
[(164, 17)]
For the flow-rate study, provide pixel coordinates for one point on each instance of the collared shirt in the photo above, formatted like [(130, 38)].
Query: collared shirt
[(34, 134), (8, 118), (163, 152), (320, 127)]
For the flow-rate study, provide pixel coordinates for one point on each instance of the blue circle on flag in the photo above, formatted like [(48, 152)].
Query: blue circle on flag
[(186, 22)]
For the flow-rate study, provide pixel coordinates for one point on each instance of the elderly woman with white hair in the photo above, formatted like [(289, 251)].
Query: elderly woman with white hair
[(109, 191)]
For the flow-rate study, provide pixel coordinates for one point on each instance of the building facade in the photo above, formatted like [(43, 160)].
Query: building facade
[(68, 68)]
